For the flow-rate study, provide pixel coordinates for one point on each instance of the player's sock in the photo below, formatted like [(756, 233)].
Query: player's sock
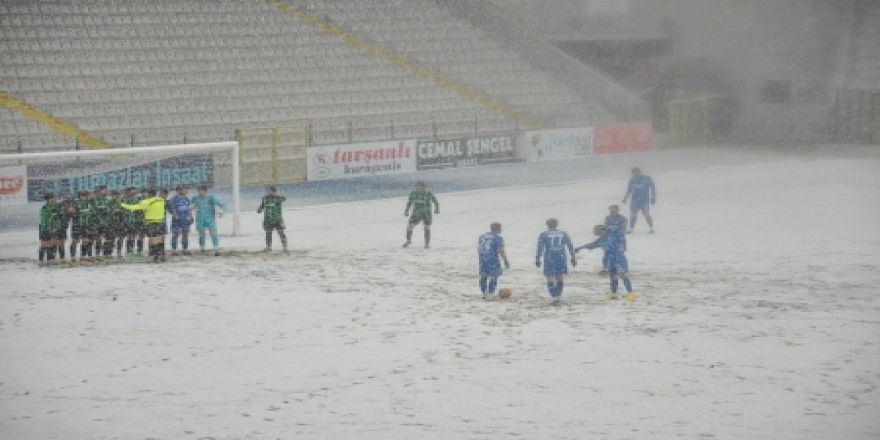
[(140, 245), (493, 283), (184, 242), (551, 288), (118, 248), (60, 251), (215, 240), (559, 286), (129, 246), (269, 239), (650, 221), (50, 253), (108, 248), (614, 285), (202, 241), (632, 221), (42, 253), (174, 242), (408, 236), (73, 250), (483, 283), (283, 239), (628, 284), (427, 238), (83, 250)]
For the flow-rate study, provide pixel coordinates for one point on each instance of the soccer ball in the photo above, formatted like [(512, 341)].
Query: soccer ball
[(505, 293)]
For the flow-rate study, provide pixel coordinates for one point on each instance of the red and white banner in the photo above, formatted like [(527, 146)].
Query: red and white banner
[(361, 160), (13, 185), (623, 138)]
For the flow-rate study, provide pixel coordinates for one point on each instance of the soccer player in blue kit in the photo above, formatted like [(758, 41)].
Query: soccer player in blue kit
[(616, 224), (552, 245), (642, 194), (491, 246), (614, 246), (181, 218)]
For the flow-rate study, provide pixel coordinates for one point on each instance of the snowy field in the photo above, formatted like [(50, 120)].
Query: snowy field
[(758, 318)]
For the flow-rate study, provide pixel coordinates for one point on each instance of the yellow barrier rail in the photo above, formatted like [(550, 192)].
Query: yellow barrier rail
[(404, 63), (55, 124)]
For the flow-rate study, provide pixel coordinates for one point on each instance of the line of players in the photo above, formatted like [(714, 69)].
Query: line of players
[(111, 221), (554, 243), (121, 222)]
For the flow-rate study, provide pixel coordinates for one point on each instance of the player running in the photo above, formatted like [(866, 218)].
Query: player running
[(270, 206), (552, 244), (420, 201), (614, 246), (644, 194), (205, 207), (51, 226), (491, 246), (181, 219), (154, 215)]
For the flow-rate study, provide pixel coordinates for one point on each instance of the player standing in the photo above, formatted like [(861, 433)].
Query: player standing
[(51, 223), (552, 245), (154, 215), (206, 210), (644, 194), (615, 252), (616, 224), (420, 201), (270, 206), (181, 219), (83, 228), (491, 246), (134, 223)]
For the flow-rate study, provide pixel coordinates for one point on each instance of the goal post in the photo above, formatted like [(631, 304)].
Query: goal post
[(66, 172)]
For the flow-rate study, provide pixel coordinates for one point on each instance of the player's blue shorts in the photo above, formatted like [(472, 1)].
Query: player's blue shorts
[(180, 225), (616, 262), (490, 266), (555, 264), (640, 205)]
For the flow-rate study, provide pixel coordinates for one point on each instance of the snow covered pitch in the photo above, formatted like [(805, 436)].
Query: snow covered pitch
[(758, 318)]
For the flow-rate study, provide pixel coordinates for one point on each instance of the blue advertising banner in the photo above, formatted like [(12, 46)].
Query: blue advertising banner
[(190, 170)]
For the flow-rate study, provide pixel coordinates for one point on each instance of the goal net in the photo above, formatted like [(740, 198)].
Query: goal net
[(25, 178)]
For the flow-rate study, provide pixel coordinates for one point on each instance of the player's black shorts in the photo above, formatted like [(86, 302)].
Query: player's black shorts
[(83, 232), (417, 218), (156, 229), (59, 234), (272, 225)]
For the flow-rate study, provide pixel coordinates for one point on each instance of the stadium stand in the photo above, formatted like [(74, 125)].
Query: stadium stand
[(165, 71)]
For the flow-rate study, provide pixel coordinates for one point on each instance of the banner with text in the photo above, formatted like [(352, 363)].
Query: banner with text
[(623, 138), (557, 144), (465, 151), (361, 160), (13, 185), (73, 177)]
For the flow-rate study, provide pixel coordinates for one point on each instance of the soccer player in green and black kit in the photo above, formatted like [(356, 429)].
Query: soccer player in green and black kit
[(83, 230), (420, 201), (116, 231), (134, 223), (51, 224), (103, 211), (272, 219)]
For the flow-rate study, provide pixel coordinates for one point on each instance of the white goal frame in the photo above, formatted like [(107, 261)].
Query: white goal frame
[(232, 147)]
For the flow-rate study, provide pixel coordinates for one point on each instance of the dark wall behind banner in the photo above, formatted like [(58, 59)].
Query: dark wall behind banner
[(465, 151), (190, 170)]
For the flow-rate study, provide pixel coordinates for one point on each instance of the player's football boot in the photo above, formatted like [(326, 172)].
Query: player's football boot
[(407, 244)]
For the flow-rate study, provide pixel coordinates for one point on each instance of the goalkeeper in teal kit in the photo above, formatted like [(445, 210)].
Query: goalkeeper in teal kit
[(205, 207), (420, 201)]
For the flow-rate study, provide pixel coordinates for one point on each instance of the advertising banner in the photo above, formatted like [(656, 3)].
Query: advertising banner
[(465, 151), (13, 185), (73, 177), (623, 138), (558, 144), (361, 160)]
